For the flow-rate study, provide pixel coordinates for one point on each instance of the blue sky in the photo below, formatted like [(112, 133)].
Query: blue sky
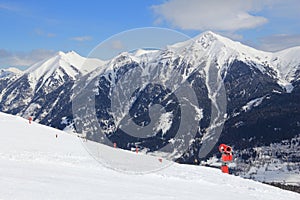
[(32, 30)]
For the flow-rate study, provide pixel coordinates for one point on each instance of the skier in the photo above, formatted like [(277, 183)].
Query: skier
[(226, 157)]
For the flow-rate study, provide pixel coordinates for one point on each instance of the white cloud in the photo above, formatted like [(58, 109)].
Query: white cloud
[(288, 9), (43, 33), (219, 15), (279, 42), (117, 45), (81, 38), (24, 59), (232, 35), (9, 7)]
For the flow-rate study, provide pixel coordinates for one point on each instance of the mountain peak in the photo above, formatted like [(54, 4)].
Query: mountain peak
[(208, 37), (68, 55), (9, 72), (207, 33), (70, 63), (60, 53), (205, 41), (13, 70)]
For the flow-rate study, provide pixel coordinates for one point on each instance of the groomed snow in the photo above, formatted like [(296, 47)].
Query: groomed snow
[(34, 164)]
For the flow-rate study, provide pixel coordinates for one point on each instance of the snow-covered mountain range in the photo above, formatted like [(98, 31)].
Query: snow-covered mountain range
[(261, 110)]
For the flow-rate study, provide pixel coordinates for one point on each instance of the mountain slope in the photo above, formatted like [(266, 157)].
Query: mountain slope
[(254, 92), (8, 73), (45, 88), (62, 63), (35, 164), (7, 76)]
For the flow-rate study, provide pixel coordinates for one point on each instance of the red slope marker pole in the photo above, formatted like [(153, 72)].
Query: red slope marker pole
[(30, 120)]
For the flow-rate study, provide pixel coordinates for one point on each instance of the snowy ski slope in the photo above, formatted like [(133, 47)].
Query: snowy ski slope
[(34, 164)]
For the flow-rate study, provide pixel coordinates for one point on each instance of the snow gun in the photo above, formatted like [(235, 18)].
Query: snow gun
[(226, 157)]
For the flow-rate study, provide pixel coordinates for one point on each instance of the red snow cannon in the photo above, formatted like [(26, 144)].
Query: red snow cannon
[(226, 157)]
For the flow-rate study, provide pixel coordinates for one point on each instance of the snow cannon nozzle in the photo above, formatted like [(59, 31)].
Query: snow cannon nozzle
[(223, 148), (228, 149)]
